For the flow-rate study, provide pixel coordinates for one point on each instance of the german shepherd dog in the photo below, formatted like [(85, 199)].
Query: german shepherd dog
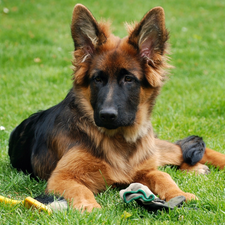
[(101, 132)]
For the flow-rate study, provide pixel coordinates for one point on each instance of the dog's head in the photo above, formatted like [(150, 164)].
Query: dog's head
[(117, 79)]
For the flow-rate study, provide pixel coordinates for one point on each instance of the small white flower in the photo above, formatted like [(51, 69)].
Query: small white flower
[(2, 128), (5, 10)]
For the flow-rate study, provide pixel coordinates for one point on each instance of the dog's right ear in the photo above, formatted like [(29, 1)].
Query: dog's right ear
[(86, 32)]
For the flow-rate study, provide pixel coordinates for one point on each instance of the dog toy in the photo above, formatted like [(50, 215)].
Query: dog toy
[(28, 203), (144, 197), (42, 203)]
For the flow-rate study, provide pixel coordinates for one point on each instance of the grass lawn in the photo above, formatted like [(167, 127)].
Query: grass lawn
[(35, 73)]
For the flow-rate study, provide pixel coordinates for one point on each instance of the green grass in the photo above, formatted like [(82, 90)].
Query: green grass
[(191, 102)]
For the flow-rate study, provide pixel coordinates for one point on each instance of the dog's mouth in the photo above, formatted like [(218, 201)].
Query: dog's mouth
[(108, 126), (115, 124)]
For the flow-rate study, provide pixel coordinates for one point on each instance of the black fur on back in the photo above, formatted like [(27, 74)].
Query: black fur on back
[(32, 142)]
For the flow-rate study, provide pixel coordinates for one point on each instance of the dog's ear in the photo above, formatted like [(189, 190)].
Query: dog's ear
[(86, 32), (149, 37)]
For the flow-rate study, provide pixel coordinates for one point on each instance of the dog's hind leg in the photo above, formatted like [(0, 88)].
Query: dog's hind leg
[(186, 154), (198, 168), (168, 153), (214, 158), (189, 154), (195, 154)]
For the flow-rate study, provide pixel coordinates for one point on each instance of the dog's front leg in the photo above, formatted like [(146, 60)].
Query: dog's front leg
[(77, 176), (78, 195), (160, 183)]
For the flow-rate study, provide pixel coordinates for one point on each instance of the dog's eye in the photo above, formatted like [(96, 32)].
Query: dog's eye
[(98, 79), (128, 79)]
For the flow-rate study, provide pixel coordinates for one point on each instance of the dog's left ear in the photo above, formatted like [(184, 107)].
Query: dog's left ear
[(150, 34), (149, 37)]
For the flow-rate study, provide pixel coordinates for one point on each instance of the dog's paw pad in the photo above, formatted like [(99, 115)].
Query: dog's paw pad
[(203, 169)]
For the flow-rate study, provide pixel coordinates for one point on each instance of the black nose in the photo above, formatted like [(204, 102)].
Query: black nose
[(108, 115)]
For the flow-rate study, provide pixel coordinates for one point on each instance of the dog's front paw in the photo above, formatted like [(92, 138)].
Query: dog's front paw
[(86, 206), (189, 196)]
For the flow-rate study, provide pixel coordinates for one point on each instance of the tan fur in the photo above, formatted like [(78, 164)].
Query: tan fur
[(215, 158)]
